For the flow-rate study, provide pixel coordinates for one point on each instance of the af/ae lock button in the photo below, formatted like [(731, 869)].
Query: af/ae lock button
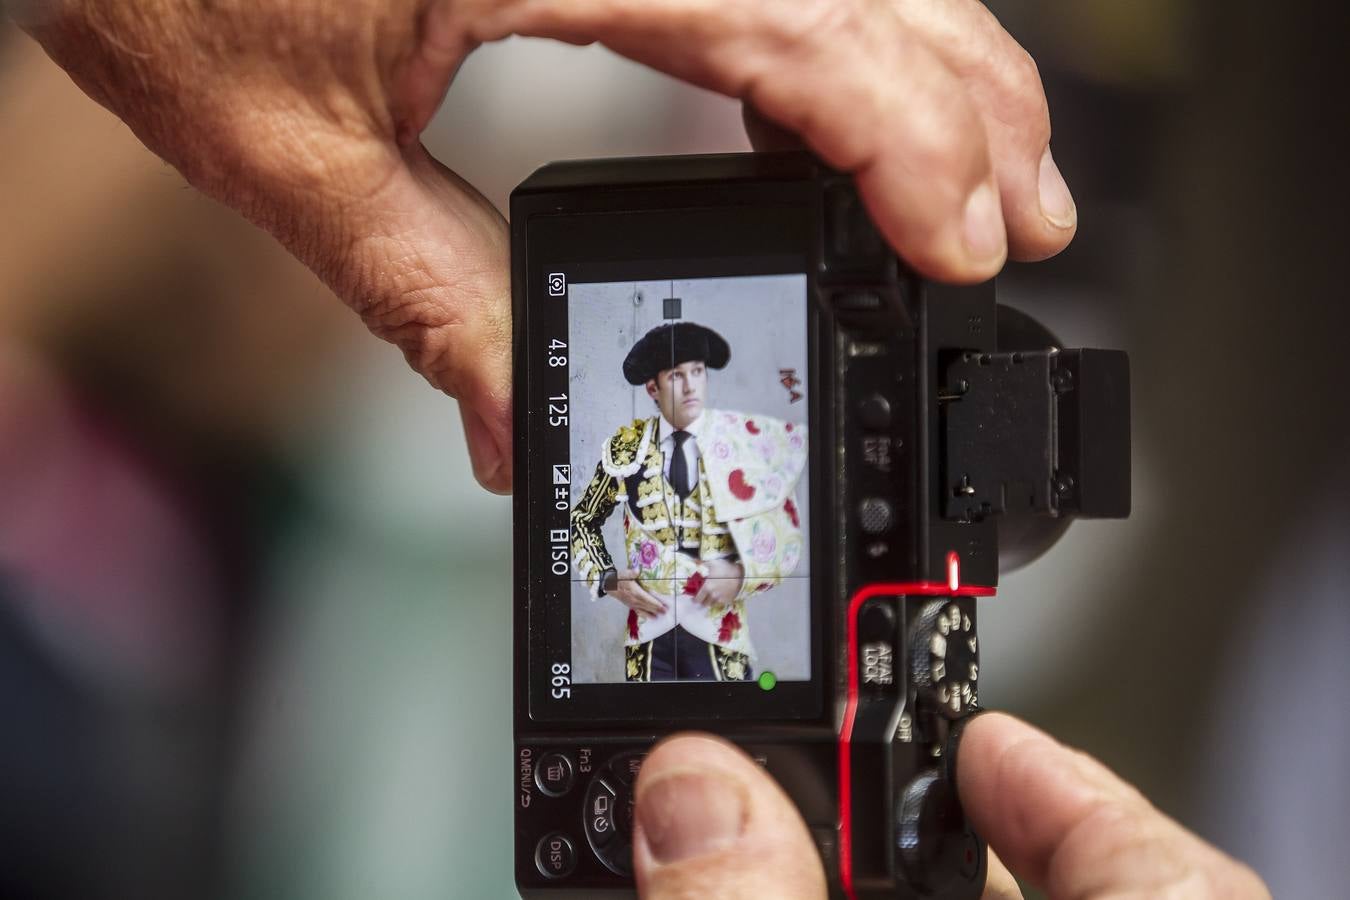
[(876, 622)]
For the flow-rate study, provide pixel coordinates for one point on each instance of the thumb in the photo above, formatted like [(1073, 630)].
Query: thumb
[(709, 823), (425, 262)]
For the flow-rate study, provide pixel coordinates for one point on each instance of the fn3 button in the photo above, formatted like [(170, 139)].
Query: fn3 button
[(554, 774)]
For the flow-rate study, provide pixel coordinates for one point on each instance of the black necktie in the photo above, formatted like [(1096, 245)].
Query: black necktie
[(679, 467)]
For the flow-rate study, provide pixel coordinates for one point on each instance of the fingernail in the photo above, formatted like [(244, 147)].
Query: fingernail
[(688, 814), (986, 238), (1056, 202)]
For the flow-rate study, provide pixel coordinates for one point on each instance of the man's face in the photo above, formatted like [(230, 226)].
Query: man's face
[(680, 392)]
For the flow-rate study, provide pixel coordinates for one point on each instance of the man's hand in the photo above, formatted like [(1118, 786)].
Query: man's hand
[(721, 584), (711, 824), (628, 591), (304, 115)]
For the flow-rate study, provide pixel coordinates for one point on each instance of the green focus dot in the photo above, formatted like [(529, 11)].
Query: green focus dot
[(767, 681)]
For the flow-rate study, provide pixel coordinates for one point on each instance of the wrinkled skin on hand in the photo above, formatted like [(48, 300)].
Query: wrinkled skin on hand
[(304, 115)]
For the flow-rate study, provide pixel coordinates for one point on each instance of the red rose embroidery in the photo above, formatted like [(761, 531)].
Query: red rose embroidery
[(731, 623), (763, 587), (787, 426), (792, 513), (751, 427), (739, 489), (632, 624), (691, 587)]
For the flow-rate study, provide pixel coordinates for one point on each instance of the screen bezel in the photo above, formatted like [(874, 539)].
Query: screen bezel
[(686, 233)]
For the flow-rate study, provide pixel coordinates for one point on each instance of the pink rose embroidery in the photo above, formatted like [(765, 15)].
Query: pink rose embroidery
[(763, 545), (647, 553), (721, 450)]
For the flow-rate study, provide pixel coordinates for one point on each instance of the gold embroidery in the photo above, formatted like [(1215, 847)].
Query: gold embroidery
[(638, 662), (733, 667), (729, 665)]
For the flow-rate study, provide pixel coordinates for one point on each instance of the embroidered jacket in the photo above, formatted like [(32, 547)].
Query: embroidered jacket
[(742, 509)]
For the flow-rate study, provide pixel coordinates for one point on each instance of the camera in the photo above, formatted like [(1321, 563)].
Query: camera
[(763, 471)]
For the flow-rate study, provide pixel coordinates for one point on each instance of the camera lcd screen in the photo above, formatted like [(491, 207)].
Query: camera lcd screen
[(667, 357), (688, 472)]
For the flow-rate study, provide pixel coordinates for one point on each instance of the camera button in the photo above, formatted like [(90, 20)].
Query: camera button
[(875, 515), (858, 302), (599, 810), (625, 768), (876, 622), (875, 412), (555, 856), (555, 774)]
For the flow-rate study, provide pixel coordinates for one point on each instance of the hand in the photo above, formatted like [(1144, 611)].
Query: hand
[(721, 584), (304, 115), (711, 824), (628, 591)]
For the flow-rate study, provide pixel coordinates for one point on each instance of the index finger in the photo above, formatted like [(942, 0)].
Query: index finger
[(1066, 823), (862, 90)]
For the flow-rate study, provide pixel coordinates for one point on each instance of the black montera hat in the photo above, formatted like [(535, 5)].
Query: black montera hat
[(668, 345)]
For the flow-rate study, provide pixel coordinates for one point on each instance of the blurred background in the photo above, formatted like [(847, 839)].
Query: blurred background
[(254, 612)]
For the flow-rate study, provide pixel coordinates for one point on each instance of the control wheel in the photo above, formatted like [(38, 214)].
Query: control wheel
[(933, 846), (944, 656), (608, 813)]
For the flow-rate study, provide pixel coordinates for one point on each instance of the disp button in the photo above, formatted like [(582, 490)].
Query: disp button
[(555, 856)]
